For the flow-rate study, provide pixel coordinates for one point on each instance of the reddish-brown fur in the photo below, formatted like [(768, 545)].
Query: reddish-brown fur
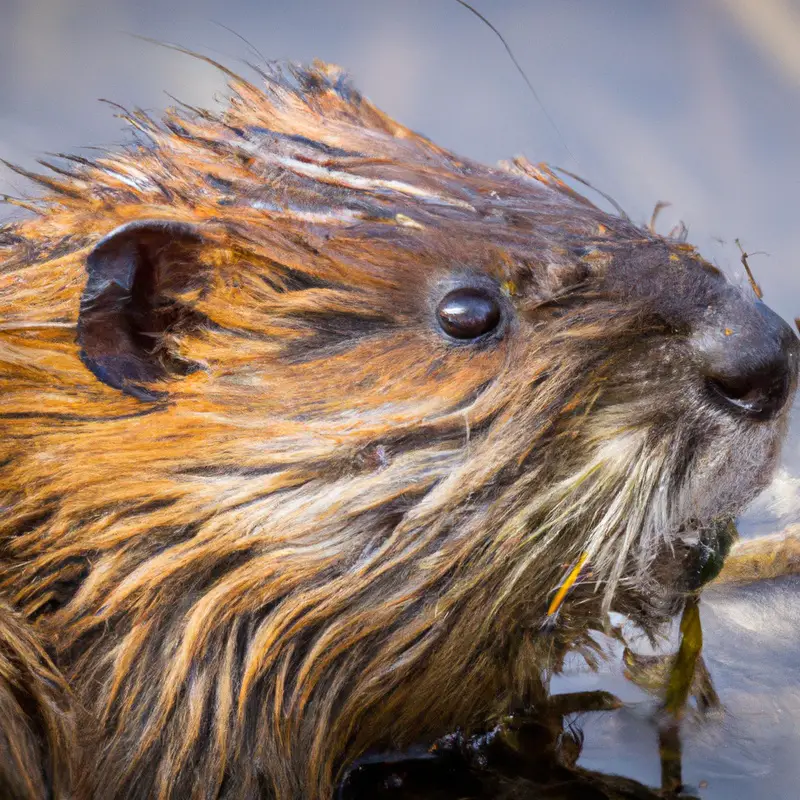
[(38, 724), (333, 530)]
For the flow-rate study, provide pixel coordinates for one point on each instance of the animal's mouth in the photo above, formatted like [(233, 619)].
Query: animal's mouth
[(687, 561), (707, 546)]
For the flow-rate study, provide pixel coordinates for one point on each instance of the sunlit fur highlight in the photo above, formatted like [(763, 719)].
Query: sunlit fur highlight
[(341, 531)]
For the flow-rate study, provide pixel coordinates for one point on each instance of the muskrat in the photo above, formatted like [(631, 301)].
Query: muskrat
[(305, 420)]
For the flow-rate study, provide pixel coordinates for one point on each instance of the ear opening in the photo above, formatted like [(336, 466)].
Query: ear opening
[(129, 302)]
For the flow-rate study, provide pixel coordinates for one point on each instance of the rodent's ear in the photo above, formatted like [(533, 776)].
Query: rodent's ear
[(134, 274)]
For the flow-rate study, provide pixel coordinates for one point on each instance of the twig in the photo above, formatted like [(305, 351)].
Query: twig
[(753, 560), (756, 288)]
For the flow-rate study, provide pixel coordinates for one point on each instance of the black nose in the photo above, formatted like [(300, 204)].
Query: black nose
[(749, 359)]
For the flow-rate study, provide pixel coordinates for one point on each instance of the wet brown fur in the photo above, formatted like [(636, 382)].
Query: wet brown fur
[(37, 729), (330, 532)]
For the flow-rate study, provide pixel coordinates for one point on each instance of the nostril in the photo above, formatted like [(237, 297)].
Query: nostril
[(759, 394), (748, 357)]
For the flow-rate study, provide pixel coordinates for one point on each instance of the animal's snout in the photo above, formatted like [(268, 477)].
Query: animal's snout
[(749, 358)]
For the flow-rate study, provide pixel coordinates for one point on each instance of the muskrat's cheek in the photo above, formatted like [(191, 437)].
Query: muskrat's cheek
[(125, 305)]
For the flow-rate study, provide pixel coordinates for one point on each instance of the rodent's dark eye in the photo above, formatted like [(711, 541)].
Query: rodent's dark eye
[(468, 313)]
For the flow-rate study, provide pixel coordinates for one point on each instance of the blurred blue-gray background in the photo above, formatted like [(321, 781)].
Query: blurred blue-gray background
[(695, 103)]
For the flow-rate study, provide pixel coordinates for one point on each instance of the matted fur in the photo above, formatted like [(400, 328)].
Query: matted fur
[(341, 530), (37, 721)]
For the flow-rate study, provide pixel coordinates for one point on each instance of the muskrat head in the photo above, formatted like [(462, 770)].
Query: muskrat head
[(305, 419)]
